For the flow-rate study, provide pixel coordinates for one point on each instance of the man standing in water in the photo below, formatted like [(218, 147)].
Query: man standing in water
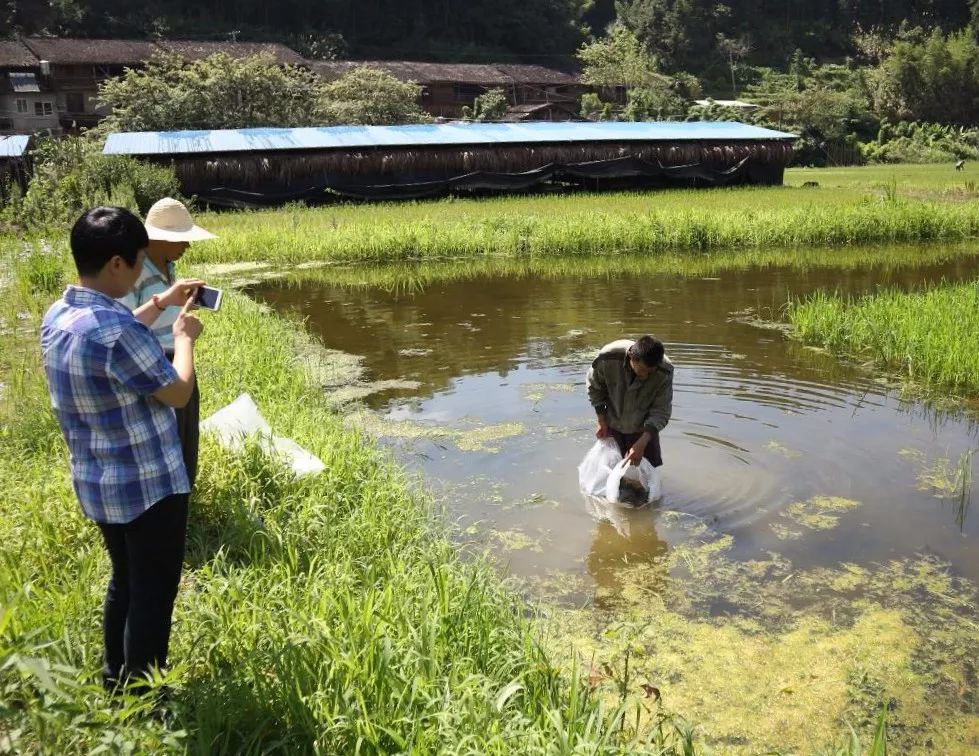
[(630, 385)]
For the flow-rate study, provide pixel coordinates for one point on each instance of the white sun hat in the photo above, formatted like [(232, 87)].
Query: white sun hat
[(168, 220)]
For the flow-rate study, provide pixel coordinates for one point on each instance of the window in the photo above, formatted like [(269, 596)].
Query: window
[(43, 108), (467, 92), (21, 105), (75, 102), (23, 82)]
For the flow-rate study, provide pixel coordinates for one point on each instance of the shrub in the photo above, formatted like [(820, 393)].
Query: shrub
[(71, 174)]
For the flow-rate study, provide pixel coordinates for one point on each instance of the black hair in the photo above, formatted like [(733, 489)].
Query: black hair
[(649, 350), (104, 232)]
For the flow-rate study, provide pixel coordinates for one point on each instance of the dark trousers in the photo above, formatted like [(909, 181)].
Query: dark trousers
[(188, 429), (625, 441), (147, 555)]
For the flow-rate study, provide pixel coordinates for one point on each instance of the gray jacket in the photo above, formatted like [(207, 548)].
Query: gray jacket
[(631, 405)]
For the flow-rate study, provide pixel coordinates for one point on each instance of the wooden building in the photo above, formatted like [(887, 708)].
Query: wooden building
[(49, 84), (27, 104), (73, 69), (449, 87)]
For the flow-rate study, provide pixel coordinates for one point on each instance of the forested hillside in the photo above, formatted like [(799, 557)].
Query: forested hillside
[(682, 33)]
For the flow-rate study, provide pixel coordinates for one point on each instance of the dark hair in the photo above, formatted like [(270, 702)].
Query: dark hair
[(648, 350), (104, 232)]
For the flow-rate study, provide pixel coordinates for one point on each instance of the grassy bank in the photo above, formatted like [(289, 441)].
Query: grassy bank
[(383, 234), (931, 337), (324, 615), (885, 205)]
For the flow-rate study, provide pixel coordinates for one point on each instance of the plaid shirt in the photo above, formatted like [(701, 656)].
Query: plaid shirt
[(102, 367)]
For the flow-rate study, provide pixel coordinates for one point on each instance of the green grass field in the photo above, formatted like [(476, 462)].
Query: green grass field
[(852, 206)]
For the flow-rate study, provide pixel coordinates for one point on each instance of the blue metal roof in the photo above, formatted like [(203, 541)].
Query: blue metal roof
[(13, 146), (462, 133)]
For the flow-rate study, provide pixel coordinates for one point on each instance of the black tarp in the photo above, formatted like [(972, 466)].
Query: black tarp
[(615, 173)]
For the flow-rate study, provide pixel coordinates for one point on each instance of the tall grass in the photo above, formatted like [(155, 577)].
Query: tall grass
[(554, 227), (931, 337)]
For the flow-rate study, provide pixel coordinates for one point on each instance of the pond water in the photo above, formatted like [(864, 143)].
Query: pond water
[(814, 530), (495, 415)]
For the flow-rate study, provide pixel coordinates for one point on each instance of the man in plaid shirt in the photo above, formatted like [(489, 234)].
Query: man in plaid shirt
[(113, 391)]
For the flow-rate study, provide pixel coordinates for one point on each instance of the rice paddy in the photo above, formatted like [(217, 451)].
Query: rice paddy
[(930, 338), (880, 205)]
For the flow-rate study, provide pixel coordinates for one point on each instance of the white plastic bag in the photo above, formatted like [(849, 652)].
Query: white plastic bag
[(603, 469), (643, 475), (241, 418), (598, 463)]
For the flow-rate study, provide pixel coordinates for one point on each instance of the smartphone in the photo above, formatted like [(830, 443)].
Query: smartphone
[(208, 298)]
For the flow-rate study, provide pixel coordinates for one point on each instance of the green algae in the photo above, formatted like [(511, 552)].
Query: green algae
[(819, 512), (535, 392), (794, 658), (516, 540), (776, 448), (785, 533), (481, 438), (358, 392), (941, 477)]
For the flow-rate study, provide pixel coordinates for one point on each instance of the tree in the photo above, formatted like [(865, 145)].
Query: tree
[(217, 92), (649, 104), (370, 96), (733, 51), (489, 106), (935, 79), (620, 63), (619, 60), (221, 92)]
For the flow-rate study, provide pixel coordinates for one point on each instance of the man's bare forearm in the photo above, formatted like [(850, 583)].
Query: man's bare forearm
[(178, 393), (147, 313)]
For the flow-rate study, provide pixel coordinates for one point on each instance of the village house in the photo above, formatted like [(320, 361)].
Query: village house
[(27, 104), (447, 88), (51, 85), (73, 69)]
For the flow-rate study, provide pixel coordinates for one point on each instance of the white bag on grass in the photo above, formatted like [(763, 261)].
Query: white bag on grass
[(603, 470), (241, 418)]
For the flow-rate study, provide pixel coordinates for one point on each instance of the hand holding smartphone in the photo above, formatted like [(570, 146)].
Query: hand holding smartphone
[(208, 298)]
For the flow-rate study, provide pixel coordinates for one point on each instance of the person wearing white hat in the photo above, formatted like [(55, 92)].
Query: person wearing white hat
[(158, 296)]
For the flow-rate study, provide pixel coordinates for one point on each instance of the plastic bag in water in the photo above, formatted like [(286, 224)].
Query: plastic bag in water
[(604, 472), (597, 465)]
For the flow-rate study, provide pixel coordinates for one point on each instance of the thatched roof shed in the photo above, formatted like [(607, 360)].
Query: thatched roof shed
[(14, 162), (266, 166)]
